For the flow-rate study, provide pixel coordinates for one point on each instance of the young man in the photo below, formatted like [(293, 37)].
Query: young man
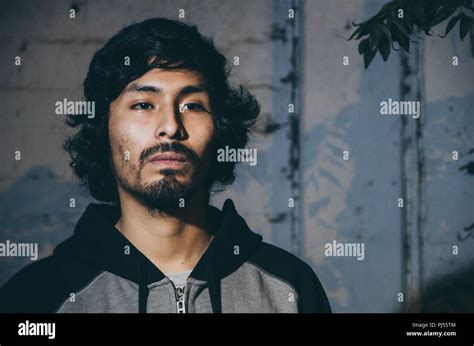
[(163, 108)]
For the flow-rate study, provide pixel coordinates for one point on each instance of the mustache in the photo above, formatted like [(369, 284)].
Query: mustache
[(175, 147)]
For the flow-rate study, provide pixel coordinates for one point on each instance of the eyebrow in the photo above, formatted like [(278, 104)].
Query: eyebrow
[(187, 90)]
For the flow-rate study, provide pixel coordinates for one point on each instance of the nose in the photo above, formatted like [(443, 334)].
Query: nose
[(169, 123)]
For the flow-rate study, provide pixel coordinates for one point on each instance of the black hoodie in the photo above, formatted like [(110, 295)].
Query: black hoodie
[(99, 270)]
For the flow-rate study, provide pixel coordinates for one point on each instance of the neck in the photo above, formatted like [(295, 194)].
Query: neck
[(173, 243)]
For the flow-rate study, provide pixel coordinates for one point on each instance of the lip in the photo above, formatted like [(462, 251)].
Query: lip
[(168, 159)]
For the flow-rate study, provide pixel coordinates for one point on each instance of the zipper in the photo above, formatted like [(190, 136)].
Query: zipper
[(179, 293)]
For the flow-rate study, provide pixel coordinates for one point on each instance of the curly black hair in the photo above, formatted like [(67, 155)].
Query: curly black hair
[(165, 44)]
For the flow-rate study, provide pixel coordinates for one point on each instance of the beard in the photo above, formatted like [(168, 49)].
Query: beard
[(163, 196), (168, 195)]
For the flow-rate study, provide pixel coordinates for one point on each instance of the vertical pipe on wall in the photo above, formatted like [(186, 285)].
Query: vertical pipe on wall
[(412, 178), (296, 30), (286, 113)]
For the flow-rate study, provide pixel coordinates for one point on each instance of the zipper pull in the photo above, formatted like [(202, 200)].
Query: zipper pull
[(179, 291)]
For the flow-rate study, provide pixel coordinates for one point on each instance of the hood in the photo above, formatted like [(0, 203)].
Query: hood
[(97, 243)]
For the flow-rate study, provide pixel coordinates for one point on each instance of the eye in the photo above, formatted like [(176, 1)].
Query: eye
[(194, 107), (142, 106)]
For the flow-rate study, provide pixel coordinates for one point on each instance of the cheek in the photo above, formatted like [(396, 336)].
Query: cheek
[(130, 135), (118, 140), (204, 133), (125, 150), (121, 154), (115, 129)]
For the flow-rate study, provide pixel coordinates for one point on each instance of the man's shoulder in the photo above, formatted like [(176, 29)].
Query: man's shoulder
[(25, 291), (43, 285), (293, 270), (273, 258)]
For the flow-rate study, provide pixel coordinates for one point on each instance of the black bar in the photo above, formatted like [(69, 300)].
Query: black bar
[(292, 329)]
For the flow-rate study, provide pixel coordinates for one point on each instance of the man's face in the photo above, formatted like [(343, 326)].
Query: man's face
[(161, 132)]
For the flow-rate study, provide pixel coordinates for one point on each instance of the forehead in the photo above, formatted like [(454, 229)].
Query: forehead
[(168, 80)]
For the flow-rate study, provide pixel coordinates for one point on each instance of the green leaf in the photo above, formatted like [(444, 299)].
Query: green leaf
[(384, 48), (375, 35), (444, 13), (356, 31), (359, 32), (405, 43), (387, 32), (368, 57), (452, 22), (401, 28), (359, 24), (464, 26), (363, 46), (401, 38), (419, 16), (386, 9), (409, 23)]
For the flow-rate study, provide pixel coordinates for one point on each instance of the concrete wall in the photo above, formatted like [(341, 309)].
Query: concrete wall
[(336, 109)]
